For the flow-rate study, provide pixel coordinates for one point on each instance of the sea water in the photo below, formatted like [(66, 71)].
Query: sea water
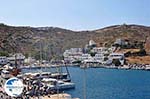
[(101, 83)]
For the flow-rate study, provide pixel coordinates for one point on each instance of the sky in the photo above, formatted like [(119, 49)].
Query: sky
[(74, 14)]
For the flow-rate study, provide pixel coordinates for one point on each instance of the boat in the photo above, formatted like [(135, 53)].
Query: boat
[(59, 75), (65, 85), (55, 84), (147, 67), (124, 67)]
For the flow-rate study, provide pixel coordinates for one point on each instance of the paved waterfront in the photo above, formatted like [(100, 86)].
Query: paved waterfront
[(34, 89)]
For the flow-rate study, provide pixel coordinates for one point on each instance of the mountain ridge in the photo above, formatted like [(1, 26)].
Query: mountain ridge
[(55, 40)]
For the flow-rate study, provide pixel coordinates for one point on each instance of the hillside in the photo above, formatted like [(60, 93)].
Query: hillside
[(130, 32), (53, 40)]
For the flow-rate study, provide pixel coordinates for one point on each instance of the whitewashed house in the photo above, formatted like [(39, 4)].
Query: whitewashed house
[(100, 50), (91, 43), (99, 58), (119, 56), (16, 58), (73, 54), (86, 57), (29, 60)]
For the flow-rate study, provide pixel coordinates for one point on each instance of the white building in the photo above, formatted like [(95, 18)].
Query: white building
[(91, 43), (121, 42), (73, 54), (86, 57), (116, 56), (99, 57), (18, 57), (119, 56), (29, 60), (100, 50)]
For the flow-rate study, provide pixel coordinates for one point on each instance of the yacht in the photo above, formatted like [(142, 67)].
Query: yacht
[(55, 84)]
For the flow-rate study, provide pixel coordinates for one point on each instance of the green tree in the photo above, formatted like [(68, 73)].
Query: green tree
[(4, 53)]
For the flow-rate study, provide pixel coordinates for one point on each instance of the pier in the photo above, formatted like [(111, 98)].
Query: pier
[(58, 96)]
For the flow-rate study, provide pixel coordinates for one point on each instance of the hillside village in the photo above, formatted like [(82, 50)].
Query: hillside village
[(50, 43), (121, 53), (39, 49), (127, 50)]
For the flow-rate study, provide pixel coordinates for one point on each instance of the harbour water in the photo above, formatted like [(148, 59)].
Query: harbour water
[(104, 83)]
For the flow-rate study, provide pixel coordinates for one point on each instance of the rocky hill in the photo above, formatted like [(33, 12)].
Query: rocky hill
[(53, 41)]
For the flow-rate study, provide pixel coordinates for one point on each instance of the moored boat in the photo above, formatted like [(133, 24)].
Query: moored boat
[(58, 84)]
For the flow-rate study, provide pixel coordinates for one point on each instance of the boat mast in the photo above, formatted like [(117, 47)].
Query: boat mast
[(16, 65), (40, 51), (84, 82), (67, 71)]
